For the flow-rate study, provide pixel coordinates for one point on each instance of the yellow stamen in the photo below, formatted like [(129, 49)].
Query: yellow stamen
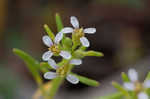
[(138, 87), (79, 33), (62, 71), (55, 49)]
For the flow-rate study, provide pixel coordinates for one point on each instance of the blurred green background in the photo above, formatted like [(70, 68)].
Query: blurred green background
[(123, 32)]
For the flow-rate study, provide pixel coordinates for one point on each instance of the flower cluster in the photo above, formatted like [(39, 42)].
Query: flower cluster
[(55, 49), (77, 32), (135, 86)]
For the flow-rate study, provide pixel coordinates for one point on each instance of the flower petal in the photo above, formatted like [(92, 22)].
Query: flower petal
[(52, 63), (76, 61), (133, 75), (146, 84), (129, 86), (46, 56), (74, 21), (89, 30), (84, 42), (50, 75), (67, 30), (142, 95), (58, 37), (47, 41), (65, 54), (72, 79)]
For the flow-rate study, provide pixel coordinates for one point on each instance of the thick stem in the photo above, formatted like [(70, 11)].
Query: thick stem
[(55, 86)]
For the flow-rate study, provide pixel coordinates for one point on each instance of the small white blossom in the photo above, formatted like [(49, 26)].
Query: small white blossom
[(135, 85), (62, 71), (143, 95), (53, 47), (81, 32)]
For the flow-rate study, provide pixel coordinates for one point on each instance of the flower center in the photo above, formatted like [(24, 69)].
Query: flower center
[(62, 71), (79, 32), (138, 87), (55, 49)]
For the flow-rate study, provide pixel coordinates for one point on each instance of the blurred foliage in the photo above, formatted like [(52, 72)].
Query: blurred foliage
[(8, 83)]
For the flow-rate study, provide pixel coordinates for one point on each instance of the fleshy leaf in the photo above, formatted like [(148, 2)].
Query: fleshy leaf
[(125, 77), (59, 22), (80, 53), (31, 63), (117, 95), (49, 32), (148, 76), (87, 81), (121, 89), (93, 53), (67, 43), (44, 66)]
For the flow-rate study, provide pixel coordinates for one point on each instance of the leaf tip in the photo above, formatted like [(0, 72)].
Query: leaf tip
[(14, 50)]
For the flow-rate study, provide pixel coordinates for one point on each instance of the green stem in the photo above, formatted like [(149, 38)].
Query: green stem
[(74, 47), (55, 86)]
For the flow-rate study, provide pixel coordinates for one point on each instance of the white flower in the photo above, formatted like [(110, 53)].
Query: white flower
[(53, 47), (62, 71), (79, 31), (135, 85)]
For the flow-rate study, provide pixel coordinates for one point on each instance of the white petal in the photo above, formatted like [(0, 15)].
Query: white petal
[(147, 84), (50, 75), (84, 42), (72, 79), (89, 30), (74, 21), (46, 56), (58, 37), (65, 54), (76, 61), (129, 86), (142, 95), (67, 30), (133, 75), (47, 41), (52, 63)]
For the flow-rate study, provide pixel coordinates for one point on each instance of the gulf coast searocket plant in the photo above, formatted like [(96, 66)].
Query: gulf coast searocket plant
[(72, 50)]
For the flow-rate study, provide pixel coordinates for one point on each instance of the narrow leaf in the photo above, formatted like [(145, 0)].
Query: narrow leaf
[(148, 76), (93, 53), (59, 22), (31, 63), (125, 77), (120, 88), (49, 32), (117, 95), (88, 81), (67, 43)]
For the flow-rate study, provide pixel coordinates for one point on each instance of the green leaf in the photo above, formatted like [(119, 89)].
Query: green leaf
[(81, 53), (87, 81), (117, 95), (125, 77), (44, 66), (31, 63), (49, 32), (121, 89), (59, 22), (148, 76), (93, 53), (67, 43)]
